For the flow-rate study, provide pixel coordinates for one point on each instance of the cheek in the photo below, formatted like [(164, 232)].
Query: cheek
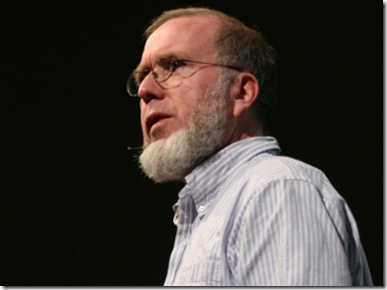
[(186, 109), (180, 104), (188, 102)]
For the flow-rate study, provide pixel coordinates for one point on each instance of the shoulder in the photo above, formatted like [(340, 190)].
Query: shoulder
[(280, 175), (268, 168)]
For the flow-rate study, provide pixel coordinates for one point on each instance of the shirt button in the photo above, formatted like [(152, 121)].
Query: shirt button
[(185, 241), (202, 208)]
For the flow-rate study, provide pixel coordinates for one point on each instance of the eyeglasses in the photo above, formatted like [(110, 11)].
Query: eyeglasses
[(169, 73)]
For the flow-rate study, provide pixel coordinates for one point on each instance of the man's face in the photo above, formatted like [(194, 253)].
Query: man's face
[(167, 110)]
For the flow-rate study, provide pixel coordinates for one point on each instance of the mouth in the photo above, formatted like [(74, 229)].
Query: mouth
[(155, 119)]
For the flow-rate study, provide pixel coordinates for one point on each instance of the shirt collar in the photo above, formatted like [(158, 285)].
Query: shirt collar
[(204, 181)]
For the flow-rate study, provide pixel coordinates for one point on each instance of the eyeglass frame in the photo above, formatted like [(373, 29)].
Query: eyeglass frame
[(155, 75)]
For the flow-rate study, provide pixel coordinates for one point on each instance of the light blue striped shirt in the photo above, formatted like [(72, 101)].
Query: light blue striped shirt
[(247, 217)]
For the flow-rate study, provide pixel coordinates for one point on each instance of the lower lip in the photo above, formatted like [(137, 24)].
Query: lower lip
[(158, 124)]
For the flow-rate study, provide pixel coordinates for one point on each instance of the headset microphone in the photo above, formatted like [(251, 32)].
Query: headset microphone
[(132, 148)]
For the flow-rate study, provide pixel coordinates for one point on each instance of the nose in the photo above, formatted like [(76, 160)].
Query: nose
[(149, 89)]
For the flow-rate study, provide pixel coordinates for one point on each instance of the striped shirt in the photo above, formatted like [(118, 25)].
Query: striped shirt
[(248, 217)]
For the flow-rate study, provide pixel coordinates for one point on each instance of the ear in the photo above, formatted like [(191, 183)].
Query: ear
[(247, 92)]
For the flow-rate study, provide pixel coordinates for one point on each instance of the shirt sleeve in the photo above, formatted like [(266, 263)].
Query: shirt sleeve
[(285, 236)]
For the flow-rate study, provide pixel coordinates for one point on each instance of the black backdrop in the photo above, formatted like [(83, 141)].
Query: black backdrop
[(76, 209)]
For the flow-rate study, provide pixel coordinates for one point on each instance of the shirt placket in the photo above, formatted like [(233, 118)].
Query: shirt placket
[(186, 215)]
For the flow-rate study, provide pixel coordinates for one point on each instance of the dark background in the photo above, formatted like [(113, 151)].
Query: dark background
[(76, 210)]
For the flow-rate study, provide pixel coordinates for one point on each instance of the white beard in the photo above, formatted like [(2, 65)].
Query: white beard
[(171, 159)]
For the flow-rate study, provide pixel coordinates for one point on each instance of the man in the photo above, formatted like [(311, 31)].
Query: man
[(246, 215)]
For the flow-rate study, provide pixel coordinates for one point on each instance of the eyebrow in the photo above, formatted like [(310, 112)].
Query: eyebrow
[(167, 55)]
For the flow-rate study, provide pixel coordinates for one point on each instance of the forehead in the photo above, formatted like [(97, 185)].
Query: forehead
[(192, 37)]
